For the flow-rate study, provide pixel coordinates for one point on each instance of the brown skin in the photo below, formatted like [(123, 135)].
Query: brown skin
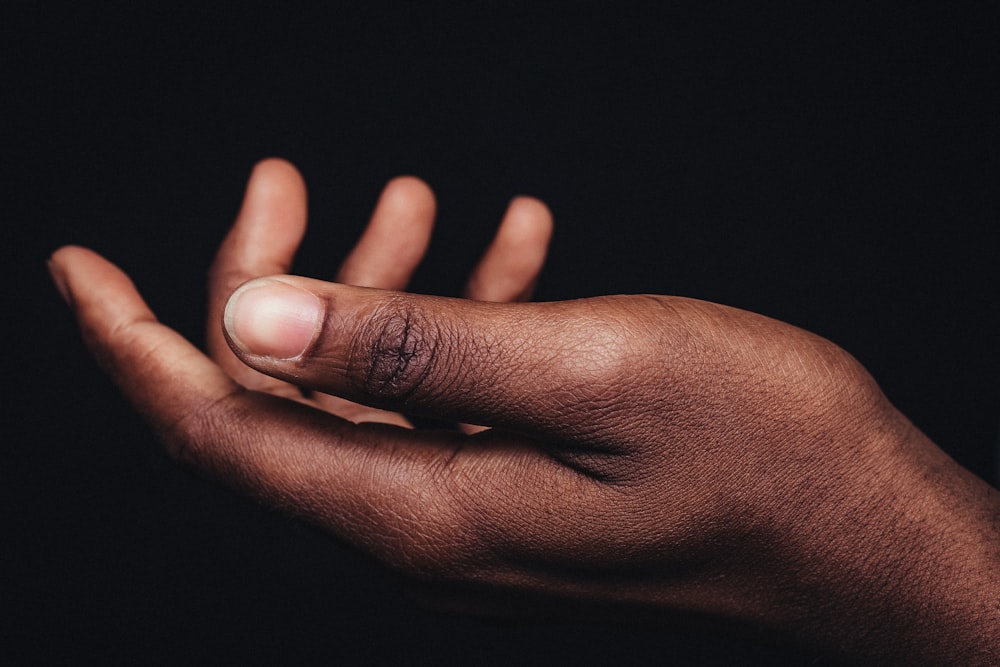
[(648, 454)]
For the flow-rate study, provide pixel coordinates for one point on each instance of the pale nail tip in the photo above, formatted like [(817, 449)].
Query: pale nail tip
[(273, 319)]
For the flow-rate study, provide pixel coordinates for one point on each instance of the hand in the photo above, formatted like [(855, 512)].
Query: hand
[(647, 454)]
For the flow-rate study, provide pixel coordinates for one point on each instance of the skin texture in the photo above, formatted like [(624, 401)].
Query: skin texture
[(648, 456)]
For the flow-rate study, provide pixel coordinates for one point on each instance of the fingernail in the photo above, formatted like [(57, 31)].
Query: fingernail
[(60, 281), (269, 318)]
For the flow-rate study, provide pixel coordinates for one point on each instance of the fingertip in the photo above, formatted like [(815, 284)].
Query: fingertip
[(409, 180), (274, 176), (59, 251), (396, 237), (58, 276), (512, 263), (411, 193), (66, 260), (531, 204), (528, 219), (102, 296), (82, 270), (270, 224), (276, 166), (66, 252)]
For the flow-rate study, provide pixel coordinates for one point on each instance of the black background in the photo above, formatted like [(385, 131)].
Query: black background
[(830, 167)]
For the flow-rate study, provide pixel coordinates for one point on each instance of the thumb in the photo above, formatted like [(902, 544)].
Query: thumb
[(538, 368)]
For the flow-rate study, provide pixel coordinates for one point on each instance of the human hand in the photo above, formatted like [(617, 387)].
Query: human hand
[(650, 454)]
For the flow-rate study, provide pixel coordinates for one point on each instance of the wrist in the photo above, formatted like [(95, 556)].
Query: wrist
[(903, 566)]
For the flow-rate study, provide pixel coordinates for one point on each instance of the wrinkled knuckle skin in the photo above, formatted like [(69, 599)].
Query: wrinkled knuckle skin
[(400, 348)]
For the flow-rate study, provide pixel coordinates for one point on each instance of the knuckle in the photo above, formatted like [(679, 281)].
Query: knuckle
[(197, 437), (605, 363), (398, 349)]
